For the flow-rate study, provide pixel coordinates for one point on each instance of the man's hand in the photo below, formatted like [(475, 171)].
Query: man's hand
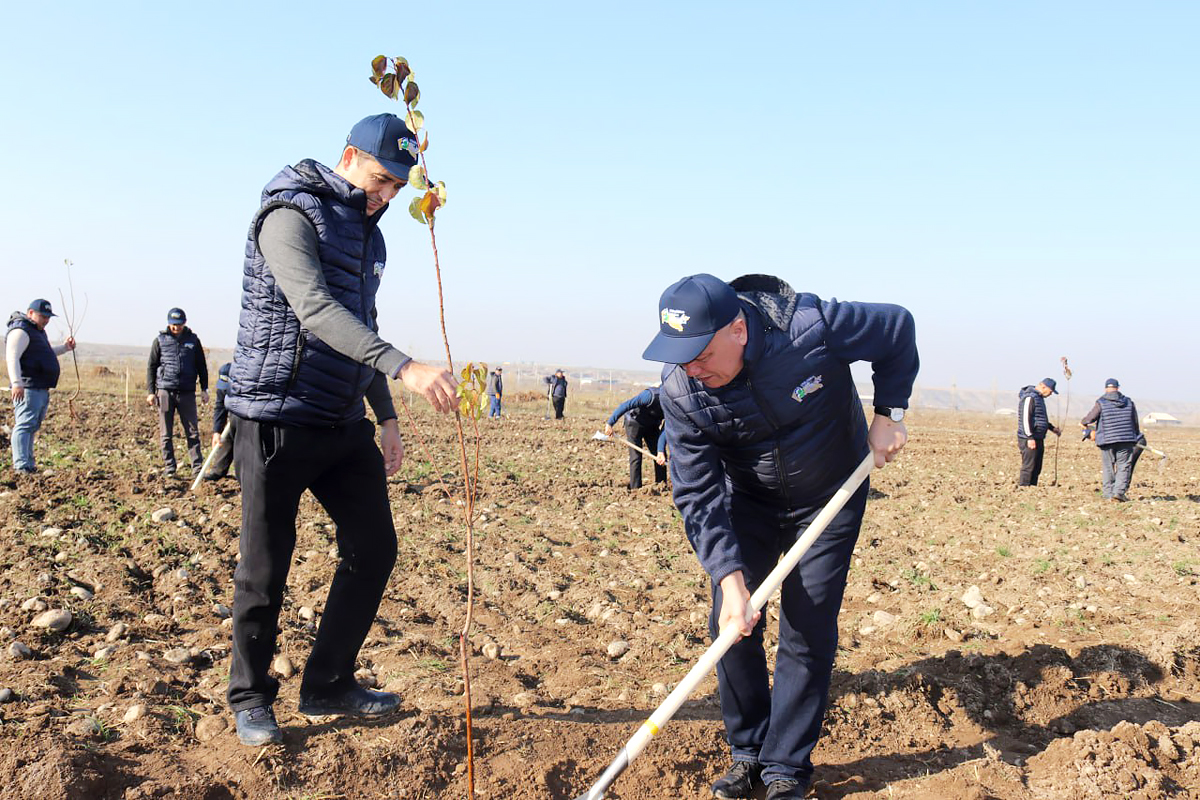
[(392, 446), (661, 459), (886, 439), (735, 602), (216, 440), (204, 396), (607, 429), (152, 399), (1031, 444), (18, 393), (1056, 431), (434, 383), (70, 343)]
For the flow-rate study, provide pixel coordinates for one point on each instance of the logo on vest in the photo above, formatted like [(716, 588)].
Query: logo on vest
[(810, 385), (378, 268), (674, 318)]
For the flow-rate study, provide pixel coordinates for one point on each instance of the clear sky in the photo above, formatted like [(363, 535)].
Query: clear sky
[(1023, 176)]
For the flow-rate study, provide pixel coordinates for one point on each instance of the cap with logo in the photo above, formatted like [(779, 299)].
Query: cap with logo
[(1113, 382), (176, 316), (42, 307), (690, 311), (1050, 384), (388, 139)]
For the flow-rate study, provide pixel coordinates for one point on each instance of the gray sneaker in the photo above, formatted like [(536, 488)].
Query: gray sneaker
[(257, 726)]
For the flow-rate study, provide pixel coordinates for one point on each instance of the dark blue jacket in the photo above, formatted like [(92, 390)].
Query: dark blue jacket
[(789, 429), (39, 364), (495, 384), (281, 372), (176, 362), (220, 413), (1118, 419), (558, 386), (1032, 421), (644, 408)]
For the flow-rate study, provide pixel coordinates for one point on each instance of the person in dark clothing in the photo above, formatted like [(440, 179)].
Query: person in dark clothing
[(558, 392), (308, 353), (495, 391), (176, 363), (1117, 432), (33, 371), (1032, 426), (221, 463), (764, 425), (644, 427)]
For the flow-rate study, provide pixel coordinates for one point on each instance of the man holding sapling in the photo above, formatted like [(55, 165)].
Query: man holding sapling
[(1032, 426), (308, 353), (764, 425), (33, 371)]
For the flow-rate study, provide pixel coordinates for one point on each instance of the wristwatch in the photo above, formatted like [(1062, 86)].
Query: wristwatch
[(894, 414)]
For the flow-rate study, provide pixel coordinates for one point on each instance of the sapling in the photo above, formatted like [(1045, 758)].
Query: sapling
[(394, 78), (1067, 412), (73, 324)]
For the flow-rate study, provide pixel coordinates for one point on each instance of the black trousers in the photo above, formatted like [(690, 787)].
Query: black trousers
[(1031, 461), (559, 404), (343, 468), (648, 438), (171, 401)]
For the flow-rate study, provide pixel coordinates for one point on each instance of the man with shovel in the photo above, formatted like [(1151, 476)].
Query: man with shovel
[(308, 352), (1117, 433), (764, 425), (643, 426)]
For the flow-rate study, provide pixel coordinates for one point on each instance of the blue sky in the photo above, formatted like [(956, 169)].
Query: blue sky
[(1023, 176)]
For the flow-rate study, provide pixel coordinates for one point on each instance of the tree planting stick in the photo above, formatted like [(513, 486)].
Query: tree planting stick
[(615, 438), (225, 434), (728, 636)]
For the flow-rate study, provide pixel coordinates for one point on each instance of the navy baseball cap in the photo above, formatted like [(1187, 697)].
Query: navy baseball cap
[(1050, 384), (176, 316), (1113, 382), (689, 313), (42, 307), (388, 139)]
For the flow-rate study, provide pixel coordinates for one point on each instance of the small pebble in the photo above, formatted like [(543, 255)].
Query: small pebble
[(6, 695), (34, 604), (617, 648), (659, 688), (283, 666), (56, 619), (52, 532), (306, 613), (19, 650), (222, 610), (87, 727), (82, 593), (163, 515), (116, 632), (104, 652), (491, 650), (177, 655), (135, 712), (211, 726)]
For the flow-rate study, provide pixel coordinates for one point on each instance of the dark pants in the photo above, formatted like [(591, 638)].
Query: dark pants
[(559, 404), (1116, 461), (222, 461), (648, 438), (779, 727), (343, 468), (1031, 460), (171, 401)]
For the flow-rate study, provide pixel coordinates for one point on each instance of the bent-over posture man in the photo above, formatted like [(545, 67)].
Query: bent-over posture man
[(1117, 433), (764, 425), (643, 426), (1032, 425), (176, 362), (307, 354), (33, 371)]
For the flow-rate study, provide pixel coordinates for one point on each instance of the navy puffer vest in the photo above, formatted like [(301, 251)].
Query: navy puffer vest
[(282, 373), (177, 361), (649, 416), (775, 447), (1037, 422), (39, 365), (1118, 420)]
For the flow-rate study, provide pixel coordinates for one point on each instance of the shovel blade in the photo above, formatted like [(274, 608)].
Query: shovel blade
[(600, 436)]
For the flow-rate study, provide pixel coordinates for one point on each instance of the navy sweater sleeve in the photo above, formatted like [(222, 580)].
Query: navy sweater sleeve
[(641, 399), (883, 334), (698, 477)]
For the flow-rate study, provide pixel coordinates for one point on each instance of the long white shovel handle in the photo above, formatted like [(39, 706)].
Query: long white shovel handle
[(612, 437), (225, 437), (662, 715)]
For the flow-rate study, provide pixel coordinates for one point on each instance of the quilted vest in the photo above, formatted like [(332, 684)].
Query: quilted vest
[(177, 361), (39, 365)]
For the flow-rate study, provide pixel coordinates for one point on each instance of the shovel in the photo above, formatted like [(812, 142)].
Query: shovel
[(1159, 453), (651, 727), (222, 449), (604, 437)]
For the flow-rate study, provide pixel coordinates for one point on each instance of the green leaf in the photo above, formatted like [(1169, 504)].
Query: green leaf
[(415, 120), (440, 191), (416, 178), (387, 85), (414, 208), (402, 68), (412, 93), (378, 65), (425, 143), (374, 80)]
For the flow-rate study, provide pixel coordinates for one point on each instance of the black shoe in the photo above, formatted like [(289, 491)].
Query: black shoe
[(257, 727), (785, 790), (1121, 498), (358, 702), (739, 781)]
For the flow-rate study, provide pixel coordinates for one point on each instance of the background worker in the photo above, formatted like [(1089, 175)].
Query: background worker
[(1117, 431), (176, 363), (219, 468), (1032, 426), (643, 426), (764, 425), (495, 391), (558, 392), (33, 371), (308, 353)]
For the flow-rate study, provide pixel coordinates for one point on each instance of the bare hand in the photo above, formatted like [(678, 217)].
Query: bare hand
[(608, 429), (204, 396), (70, 342), (886, 439), (392, 446), (735, 602), (660, 459), (434, 383), (216, 440), (1031, 444), (152, 399), (18, 393)]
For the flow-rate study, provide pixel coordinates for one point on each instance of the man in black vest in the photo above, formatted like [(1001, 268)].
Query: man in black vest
[(1116, 433), (1032, 426), (176, 363), (32, 372), (644, 427), (220, 465), (308, 353)]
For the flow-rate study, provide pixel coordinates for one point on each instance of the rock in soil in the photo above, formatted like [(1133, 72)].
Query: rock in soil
[(56, 619)]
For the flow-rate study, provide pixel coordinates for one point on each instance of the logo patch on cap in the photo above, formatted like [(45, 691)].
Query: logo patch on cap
[(674, 318), (378, 268), (408, 146), (810, 385)]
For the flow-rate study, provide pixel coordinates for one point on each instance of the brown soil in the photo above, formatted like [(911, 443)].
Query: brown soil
[(1084, 683)]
